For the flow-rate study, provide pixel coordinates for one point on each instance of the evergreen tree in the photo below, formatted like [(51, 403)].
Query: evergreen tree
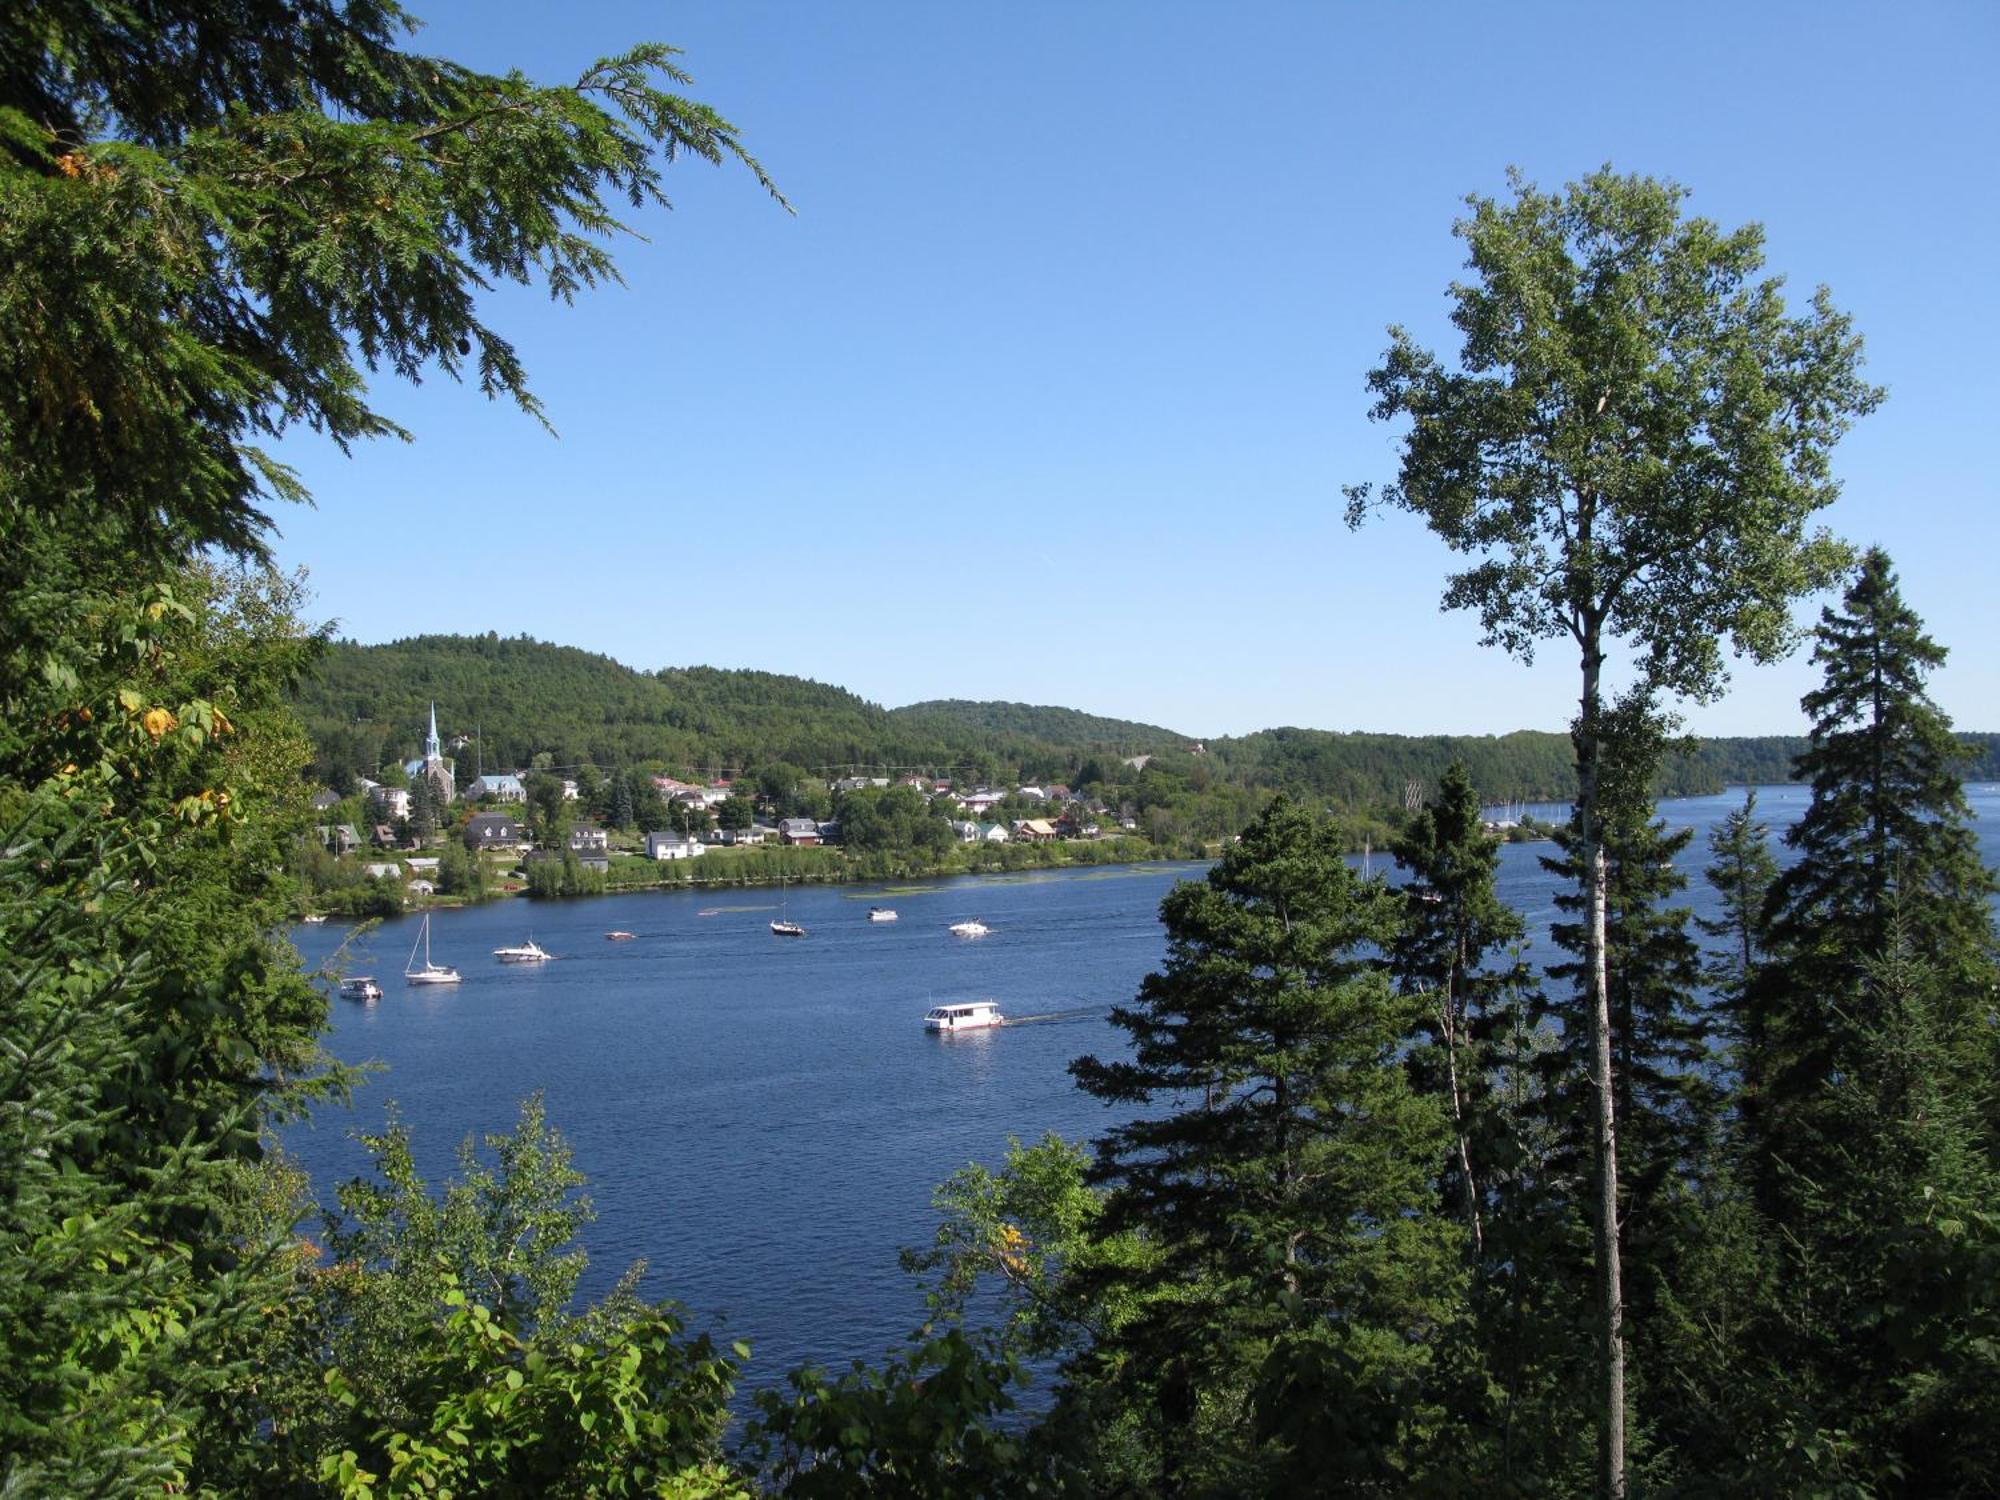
[(423, 809), (1452, 920), (621, 812), (1885, 846), (1302, 1268), (1741, 872)]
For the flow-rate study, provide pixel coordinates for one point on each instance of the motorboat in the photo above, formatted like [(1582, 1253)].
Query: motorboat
[(529, 952), (787, 929), (972, 1015), (881, 914), (312, 919), (620, 936), (970, 928), (430, 973), (360, 987)]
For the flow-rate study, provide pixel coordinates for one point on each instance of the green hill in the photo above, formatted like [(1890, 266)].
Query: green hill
[(513, 700)]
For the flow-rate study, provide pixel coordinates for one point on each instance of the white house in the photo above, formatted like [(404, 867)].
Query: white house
[(994, 833), (968, 833), (501, 788), (390, 802), (664, 845)]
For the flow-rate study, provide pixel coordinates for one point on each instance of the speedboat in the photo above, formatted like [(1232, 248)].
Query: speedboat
[(787, 929), (430, 973), (974, 1015), (881, 914), (620, 936), (972, 928), (360, 987), (529, 952)]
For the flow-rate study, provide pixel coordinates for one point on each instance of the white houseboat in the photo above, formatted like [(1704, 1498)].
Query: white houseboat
[(972, 1015)]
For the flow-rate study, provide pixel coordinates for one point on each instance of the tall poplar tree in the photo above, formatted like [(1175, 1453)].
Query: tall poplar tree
[(1630, 447)]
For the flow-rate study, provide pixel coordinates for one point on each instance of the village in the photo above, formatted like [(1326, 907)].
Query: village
[(426, 834)]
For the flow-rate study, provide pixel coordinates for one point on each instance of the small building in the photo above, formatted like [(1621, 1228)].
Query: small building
[(422, 864), (981, 800), (1031, 794), (756, 833), (387, 870), (803, 832), (423, 890), (390, 803), (497, 788), (993, 833), (492, 831), (664, 845), (325, 798), (339, 838), (1035, 831), (968, 833), (589, 841)]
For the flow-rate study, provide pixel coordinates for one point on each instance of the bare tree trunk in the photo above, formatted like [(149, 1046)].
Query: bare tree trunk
[(1610, 1290)]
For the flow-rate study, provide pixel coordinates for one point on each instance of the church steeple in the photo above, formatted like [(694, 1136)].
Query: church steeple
[(432, 751)]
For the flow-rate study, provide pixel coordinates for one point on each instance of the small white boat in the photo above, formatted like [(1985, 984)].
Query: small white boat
[(360, 987), (973, 1015), (881, 914), (620, 936), (972, 928), (430, 973), (785, 926), (529, 952), (312, 919)]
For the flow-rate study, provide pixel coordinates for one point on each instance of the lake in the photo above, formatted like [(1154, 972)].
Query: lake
[(763, 1120)]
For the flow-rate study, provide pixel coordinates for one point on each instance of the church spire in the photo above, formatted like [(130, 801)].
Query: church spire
[(432, 751)]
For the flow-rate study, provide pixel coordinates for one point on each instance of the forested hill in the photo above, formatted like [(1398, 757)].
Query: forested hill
[(522, 698), (1041, 724)]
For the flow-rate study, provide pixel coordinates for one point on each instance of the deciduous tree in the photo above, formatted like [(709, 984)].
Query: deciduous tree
[(1630, 447)]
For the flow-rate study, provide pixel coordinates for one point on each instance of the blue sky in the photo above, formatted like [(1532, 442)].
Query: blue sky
[(1047, 391)]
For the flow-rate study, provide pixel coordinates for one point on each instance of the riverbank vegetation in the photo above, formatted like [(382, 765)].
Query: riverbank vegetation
[(1391, 1214)]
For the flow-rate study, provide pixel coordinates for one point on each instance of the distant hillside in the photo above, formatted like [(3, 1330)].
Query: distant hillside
[(1041, 724), (522, 698)]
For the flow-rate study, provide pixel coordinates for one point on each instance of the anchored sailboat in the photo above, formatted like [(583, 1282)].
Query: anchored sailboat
[(430, 973)]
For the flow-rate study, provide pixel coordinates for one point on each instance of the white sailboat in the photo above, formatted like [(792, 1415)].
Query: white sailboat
[(784, 927), (430, 973)]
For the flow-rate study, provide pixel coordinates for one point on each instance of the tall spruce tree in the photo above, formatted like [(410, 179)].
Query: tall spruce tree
[(1452, 920), (1303, 1272), (1886, 855)]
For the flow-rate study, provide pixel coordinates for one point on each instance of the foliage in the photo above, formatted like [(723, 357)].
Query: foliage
[(435, 1349), (1288, 1187), (928, 1423), (150, 1018)]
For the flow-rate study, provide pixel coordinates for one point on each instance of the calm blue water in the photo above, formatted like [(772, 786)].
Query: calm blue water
[(763, 1120)]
